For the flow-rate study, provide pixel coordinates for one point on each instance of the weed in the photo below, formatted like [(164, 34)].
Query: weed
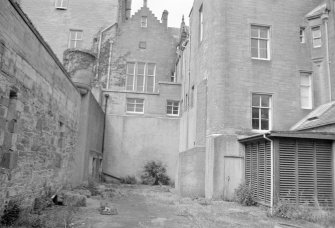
[(129, 180), (244, 195), (309, 211), (11, 213), (154, 173), (93, 187)]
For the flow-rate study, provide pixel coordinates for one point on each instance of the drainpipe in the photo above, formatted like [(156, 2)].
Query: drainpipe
[(325, 17), (99, 48), (272, 172), (104, 127), (109, 63)]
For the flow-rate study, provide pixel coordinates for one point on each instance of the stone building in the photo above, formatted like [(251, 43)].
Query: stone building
[(44, 117), (250, 69), (137, 71)]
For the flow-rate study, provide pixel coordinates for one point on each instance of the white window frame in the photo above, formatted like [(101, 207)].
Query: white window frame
[(174, 105), (316, 36), (302, 35), (152, 76), (260, 107), (141, 75), (76, 40), (61, 4), (259, 38), (137, 101), (128, 73), (307, 86), (201, 23), (144, 22), (135, 75)]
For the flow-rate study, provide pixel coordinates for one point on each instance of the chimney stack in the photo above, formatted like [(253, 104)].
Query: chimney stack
[(128, 9), (165, 17), (145, 3)]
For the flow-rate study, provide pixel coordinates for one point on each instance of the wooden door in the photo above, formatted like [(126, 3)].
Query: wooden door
[(233, 173)]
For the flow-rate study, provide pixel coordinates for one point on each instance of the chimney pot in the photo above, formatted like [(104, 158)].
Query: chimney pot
[(165, 16)]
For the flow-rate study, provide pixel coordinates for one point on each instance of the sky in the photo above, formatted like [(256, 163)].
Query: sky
[(176, 8)]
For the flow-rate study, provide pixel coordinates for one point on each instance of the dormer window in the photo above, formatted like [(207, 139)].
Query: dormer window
[(61, 4), (144, 21)]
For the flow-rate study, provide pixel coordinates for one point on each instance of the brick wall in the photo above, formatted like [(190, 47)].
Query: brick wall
[(39, 109)]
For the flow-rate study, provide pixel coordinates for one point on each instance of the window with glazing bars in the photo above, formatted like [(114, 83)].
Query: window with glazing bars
[(135, 105), (141, 77), (76, 38), (172, 108), (260, 42), (261, 111)]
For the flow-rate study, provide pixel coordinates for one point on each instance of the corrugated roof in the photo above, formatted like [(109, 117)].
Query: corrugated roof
[(323, 115)]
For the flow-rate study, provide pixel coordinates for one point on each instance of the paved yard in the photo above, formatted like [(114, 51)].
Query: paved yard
[(143, 206)]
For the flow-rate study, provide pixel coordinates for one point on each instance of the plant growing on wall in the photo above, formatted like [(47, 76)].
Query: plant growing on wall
[(11, 213), (154, 173)]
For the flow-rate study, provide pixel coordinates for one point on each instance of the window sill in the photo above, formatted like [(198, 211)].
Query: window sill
[(171, 115), (135, 113), (260, 131), (253, 58)]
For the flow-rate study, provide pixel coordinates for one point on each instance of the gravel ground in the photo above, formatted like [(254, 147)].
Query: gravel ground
[(153, 207)]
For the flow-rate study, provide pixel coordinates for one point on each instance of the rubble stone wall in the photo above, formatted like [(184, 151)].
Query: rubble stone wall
[(39, 109)]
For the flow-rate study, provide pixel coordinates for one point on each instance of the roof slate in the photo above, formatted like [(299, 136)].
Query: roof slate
[(323, 115)]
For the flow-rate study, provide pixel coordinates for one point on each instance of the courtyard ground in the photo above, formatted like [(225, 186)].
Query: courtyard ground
[(146, 206)]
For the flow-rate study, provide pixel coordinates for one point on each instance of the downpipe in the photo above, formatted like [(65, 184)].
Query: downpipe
[(272, 174)]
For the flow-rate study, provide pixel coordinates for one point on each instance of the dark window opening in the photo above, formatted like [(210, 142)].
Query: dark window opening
[(12, 94)]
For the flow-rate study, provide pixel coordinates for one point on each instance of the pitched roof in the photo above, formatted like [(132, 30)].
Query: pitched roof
[(317, 11), (323, 115)]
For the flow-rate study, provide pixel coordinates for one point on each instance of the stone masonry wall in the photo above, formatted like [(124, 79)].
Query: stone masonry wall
[(39, 108)]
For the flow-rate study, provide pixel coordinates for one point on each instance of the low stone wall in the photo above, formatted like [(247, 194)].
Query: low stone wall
[(191, 174)]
